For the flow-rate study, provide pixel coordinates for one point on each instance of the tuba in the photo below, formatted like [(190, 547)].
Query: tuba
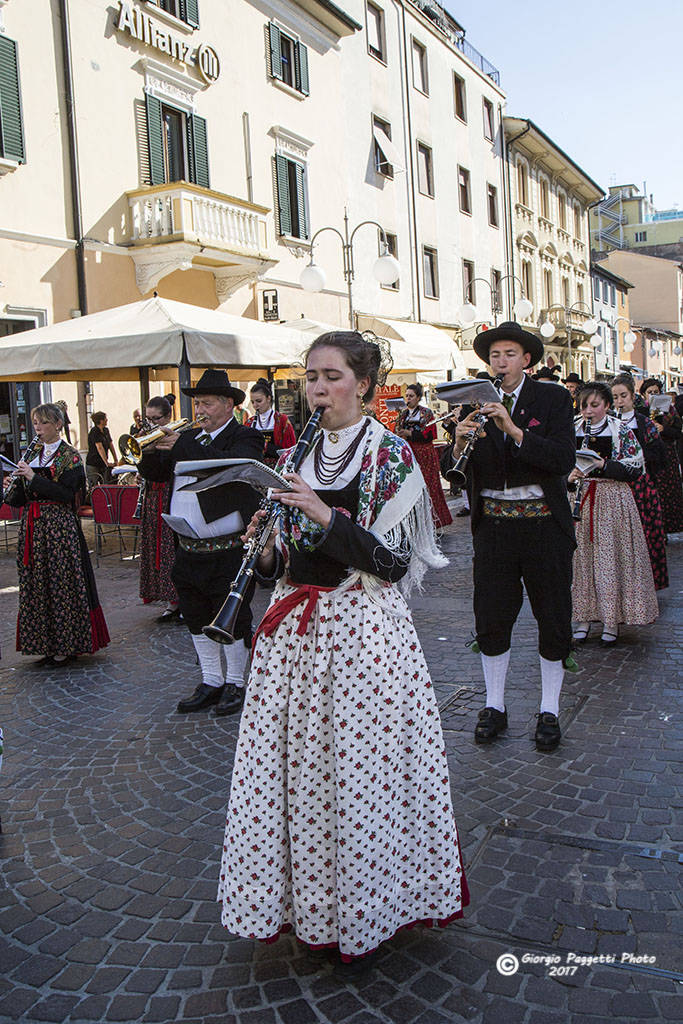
[(133, 448)]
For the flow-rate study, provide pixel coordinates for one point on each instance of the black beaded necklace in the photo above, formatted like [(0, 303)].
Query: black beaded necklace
[(329, 468)]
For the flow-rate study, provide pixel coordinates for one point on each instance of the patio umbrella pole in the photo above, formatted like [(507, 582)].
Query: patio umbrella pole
[(185, 381)]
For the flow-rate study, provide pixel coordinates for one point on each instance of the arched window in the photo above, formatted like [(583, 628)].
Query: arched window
[(545, 199), (527, 280), (522, 183), (548, 287)]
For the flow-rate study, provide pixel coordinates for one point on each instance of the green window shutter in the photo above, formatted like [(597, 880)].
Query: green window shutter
[(301, 67), (197, 146), (275, 55), (301, 200), (189, 12), (11, 126), (157, 174), (283, 198)]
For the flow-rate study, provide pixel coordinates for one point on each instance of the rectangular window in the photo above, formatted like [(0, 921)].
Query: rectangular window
[(545, 199), (497, 286), (375, 29), (11, 120), (562, 211), (641, 236), (459, 97), (528, 280), (292, 199), (579, 293), (605, 291), (489, 129), (464, 190), (380, 130), (577, 221), (522, 184), (425, 173), (288, 60), (469, 288), (430, 270), (565, 291), (178, 145), (420, 77), (612, 295), (548, 287), (492, 199), (392, 245), (185, 10)]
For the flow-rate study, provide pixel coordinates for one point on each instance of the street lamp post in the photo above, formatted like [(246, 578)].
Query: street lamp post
[(468, 311), (590, 326), (386, 269), (629, 337)]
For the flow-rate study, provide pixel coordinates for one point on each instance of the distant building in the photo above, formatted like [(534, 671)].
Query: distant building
[(611, 310), (628, 219)]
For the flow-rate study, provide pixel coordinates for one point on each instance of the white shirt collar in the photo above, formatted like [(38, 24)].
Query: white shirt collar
[(214, 433)]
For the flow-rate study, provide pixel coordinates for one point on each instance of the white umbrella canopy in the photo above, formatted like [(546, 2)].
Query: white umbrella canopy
[(115, 343)]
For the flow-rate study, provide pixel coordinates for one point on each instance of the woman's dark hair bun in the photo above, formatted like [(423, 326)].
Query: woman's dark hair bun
[(170, 398), (264, 386)]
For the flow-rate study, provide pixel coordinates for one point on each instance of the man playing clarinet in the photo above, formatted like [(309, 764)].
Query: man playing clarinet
[(522, 524), (208, 527)]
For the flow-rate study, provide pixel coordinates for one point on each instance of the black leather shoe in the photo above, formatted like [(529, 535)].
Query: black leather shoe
[(462, 513), (203, 697), (548, 733), (491, 722), (231, 700)]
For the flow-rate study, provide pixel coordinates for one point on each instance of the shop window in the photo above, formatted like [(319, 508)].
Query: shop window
[(288, 60), (291, 197), (11, 121), (178, 147)]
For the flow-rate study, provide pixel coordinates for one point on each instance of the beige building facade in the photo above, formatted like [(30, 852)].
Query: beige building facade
[(193, 148), (549, 200), (628, 219)]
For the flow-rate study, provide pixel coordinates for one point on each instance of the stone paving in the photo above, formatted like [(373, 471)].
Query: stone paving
[(112, 814)]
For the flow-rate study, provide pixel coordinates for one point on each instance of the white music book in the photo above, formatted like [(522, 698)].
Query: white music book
[(215, 472), (467, 392), (7, 465), (586, 459)]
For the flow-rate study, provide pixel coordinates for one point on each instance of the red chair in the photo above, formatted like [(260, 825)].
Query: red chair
[(105, 500), (9, 517), (127, 504)]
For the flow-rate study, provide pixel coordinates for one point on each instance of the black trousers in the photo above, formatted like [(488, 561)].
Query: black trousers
[(203, 580), (537, 553)]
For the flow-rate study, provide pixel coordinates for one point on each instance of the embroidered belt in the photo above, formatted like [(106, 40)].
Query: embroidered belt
[(533, 508), (200, 546)]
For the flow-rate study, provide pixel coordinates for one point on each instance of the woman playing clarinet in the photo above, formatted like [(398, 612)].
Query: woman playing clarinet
[(340, 823), (415, 425), (157, 545), (278, 432), (613, 582), (59, 611)]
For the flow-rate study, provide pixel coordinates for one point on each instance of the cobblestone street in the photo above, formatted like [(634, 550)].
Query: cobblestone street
[(113, 807)]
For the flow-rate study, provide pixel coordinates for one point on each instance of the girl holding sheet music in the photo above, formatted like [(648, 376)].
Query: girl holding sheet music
[(668, 478)]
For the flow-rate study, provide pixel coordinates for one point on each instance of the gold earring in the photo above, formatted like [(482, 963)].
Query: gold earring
[(363, 407)]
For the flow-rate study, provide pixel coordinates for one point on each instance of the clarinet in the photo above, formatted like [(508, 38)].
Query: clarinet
[(16, 482), (576, 513), (222, 629), (137, 514), (457, 474)]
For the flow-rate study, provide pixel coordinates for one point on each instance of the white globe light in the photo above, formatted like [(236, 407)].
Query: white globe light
[(652, 353), (630, 340), (386, 269), (657, 346), (312, 278), (523, 309), (468, 313), (590, 326), (629, 348), (677, 350), (547, 329), (596, 341)]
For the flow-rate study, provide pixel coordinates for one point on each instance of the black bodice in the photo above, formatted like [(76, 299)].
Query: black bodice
[(315, 566)]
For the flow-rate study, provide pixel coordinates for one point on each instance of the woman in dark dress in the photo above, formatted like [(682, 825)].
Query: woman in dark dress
[(278, 432), (59, 611), (668, 478), (415, 425), (644, 490), (157, 545), (100, 444)]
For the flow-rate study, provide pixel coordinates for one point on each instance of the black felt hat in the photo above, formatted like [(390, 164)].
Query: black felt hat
[(547, 373), (215, 382), (572, 378), (509, 331)]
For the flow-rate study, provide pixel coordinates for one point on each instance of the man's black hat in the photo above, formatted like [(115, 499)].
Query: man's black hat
[(547, 373), (509, 331), (215, 382), (572, 378)]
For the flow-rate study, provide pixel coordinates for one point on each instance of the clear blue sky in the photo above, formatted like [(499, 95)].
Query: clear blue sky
[(602, 78)]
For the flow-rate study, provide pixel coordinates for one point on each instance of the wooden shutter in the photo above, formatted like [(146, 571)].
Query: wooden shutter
[(198, 150), (11, 126), (157, 175), (283, 197), (301, 67), (189, 12), (275, 52), (301, 200)]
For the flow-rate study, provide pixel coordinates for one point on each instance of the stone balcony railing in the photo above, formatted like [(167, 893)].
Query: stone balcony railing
[(188, 213), (545, 224), (564, 236), (564, 318), (524, 213)]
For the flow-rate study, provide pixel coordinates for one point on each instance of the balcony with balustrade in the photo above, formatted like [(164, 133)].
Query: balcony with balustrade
[(179, 226)]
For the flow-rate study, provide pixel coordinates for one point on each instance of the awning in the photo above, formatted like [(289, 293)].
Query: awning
[(390, 151), (416, 346), (115, 344)]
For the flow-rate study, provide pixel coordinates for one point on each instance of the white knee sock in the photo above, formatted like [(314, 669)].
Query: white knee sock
[(236, 656), (495, 669), (552, 674), (209, 654)]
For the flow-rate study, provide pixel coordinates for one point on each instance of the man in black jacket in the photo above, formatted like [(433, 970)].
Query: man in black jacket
[(522, 524), (209, 550)]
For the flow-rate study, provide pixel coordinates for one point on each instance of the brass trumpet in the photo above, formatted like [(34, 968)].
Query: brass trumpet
[(133, 448)]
